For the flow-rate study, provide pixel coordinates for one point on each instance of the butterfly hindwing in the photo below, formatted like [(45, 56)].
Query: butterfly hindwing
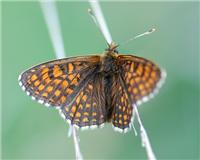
[(57, 82), (122, 108), (88, 107), (141, 77)]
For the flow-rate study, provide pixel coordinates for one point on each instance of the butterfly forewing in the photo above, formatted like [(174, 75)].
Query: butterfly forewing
[(57, 82), (88, 107), (141, 77)]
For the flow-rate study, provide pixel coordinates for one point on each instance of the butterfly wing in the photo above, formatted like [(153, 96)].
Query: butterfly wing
[(122, 108), (56, 83), (88, 107), (142, 77), (137, 81)]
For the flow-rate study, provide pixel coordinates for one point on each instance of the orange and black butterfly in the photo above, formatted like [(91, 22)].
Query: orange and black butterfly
[(92, 90)]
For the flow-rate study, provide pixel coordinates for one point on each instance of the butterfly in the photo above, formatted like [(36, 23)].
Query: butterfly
[(91, 90)]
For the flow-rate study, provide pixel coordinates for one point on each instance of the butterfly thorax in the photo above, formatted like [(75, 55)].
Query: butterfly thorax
[(109, 63)]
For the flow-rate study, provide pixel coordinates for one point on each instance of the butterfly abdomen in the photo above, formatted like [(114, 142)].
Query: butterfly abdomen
[(108, 92), (108, 69)]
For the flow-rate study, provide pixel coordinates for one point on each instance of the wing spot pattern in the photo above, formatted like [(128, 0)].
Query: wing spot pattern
[(132, 67), (57, 93), (69, 91), (85, 120), (135, 90), (47, 80), (45, 94), (57, 71), (41, 87), (78, 115), (33, 77), (57, 81), (94, 114), (70, 67), (71, 77), (141, 87), (63, 99), (84, 98), (44, 70), (88, 105), (143, 92), (65, 84), (49, 89), (139, 70), (66, 109), (73, 109), (36, 83)]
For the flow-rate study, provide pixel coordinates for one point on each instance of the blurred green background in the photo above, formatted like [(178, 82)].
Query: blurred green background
[(31, 131)]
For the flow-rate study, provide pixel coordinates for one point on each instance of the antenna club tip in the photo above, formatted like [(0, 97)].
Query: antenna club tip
[(152, 30), (89, 10)]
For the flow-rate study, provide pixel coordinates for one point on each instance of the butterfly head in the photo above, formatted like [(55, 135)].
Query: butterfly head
[(109, 59), (112, 47)]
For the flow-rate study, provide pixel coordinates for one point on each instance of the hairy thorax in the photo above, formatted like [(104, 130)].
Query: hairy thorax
[(109, 64)]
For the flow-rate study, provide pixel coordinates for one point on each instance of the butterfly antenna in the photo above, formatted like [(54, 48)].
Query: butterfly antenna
[(139, 35), (99, 20)]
